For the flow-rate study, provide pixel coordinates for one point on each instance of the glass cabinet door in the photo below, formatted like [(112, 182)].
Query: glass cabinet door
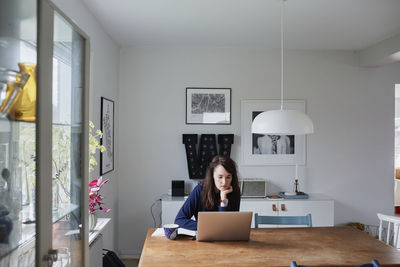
[(43, 136), (18, 53), (67, 180)]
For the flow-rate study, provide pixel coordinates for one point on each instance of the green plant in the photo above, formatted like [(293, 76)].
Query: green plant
[(94, 145)]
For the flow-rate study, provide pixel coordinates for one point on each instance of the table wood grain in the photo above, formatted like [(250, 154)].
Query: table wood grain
[(314, 246)]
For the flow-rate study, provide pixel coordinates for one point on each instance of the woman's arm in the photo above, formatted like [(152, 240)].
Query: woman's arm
[(233, 203), (189, 209)]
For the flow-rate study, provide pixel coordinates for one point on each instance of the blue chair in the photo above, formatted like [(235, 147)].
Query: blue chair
[(287, 220), (294, 264), (374, 263)]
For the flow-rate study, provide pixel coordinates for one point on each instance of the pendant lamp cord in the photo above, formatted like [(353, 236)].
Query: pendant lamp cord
[(282, 6)]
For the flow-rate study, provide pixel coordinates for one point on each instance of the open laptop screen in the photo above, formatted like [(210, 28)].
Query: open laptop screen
[(224, 226)]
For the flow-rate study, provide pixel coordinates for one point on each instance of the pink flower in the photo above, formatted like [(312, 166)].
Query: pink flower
[(93, 183), (95, 199)]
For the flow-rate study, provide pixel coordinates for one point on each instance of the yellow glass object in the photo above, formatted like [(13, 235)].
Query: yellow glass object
[(24, 108), (11, 84)]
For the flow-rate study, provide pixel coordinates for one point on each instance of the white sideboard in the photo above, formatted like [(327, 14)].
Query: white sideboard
[(96, 242), (320, 207)]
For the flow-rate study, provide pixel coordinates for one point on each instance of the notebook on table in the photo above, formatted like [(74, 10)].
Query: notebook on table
[(224, 226)]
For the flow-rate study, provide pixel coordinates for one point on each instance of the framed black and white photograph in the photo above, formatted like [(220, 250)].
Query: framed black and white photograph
[(208, 105), (260, 149), (107, 127)]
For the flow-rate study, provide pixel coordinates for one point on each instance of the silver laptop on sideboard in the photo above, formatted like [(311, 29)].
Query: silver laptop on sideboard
[(224, 226)]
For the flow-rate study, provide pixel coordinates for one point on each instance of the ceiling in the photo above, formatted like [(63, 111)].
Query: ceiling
[(308, 24)]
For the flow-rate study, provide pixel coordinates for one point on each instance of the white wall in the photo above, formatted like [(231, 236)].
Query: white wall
[(104, 81), (349, 158)]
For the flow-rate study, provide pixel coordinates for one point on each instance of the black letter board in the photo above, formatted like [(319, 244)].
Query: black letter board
[(198, 162)]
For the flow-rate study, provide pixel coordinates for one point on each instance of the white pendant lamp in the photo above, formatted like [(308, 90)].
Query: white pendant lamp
[(282, 121)]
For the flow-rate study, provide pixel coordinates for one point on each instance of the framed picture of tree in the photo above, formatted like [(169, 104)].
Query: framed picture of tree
[(208, 105)]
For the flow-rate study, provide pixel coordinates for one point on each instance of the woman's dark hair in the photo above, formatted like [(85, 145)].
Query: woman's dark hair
[(210, 194)]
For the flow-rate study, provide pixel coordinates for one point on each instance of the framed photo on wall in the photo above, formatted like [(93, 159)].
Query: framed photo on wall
[(107, 127), (259, 149), (208, 105)]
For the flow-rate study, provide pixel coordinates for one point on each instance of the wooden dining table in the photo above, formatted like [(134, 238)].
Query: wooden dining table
[(313, 246)]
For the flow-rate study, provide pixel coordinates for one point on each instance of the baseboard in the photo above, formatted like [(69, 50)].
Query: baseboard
[(129, 254), (128, 257)]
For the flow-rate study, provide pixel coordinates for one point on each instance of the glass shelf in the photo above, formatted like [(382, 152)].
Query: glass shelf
[(28, 229), (5, 120), (63, 210), (28, 225), (66, 124)]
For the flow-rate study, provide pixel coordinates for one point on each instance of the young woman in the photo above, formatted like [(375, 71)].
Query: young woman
[(219, 192)]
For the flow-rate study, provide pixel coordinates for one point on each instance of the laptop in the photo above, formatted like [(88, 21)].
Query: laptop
[(224, 226)]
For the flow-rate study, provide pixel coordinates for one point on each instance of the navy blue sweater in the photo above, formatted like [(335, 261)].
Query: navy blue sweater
[(194, 204)]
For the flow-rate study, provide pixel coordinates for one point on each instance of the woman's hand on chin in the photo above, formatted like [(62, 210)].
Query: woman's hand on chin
[(225, 191)]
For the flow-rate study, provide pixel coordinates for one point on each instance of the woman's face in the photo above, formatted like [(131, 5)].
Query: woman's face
[(222, 178)]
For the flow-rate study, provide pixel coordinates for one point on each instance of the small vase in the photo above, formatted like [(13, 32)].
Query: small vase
[(92, 221)]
